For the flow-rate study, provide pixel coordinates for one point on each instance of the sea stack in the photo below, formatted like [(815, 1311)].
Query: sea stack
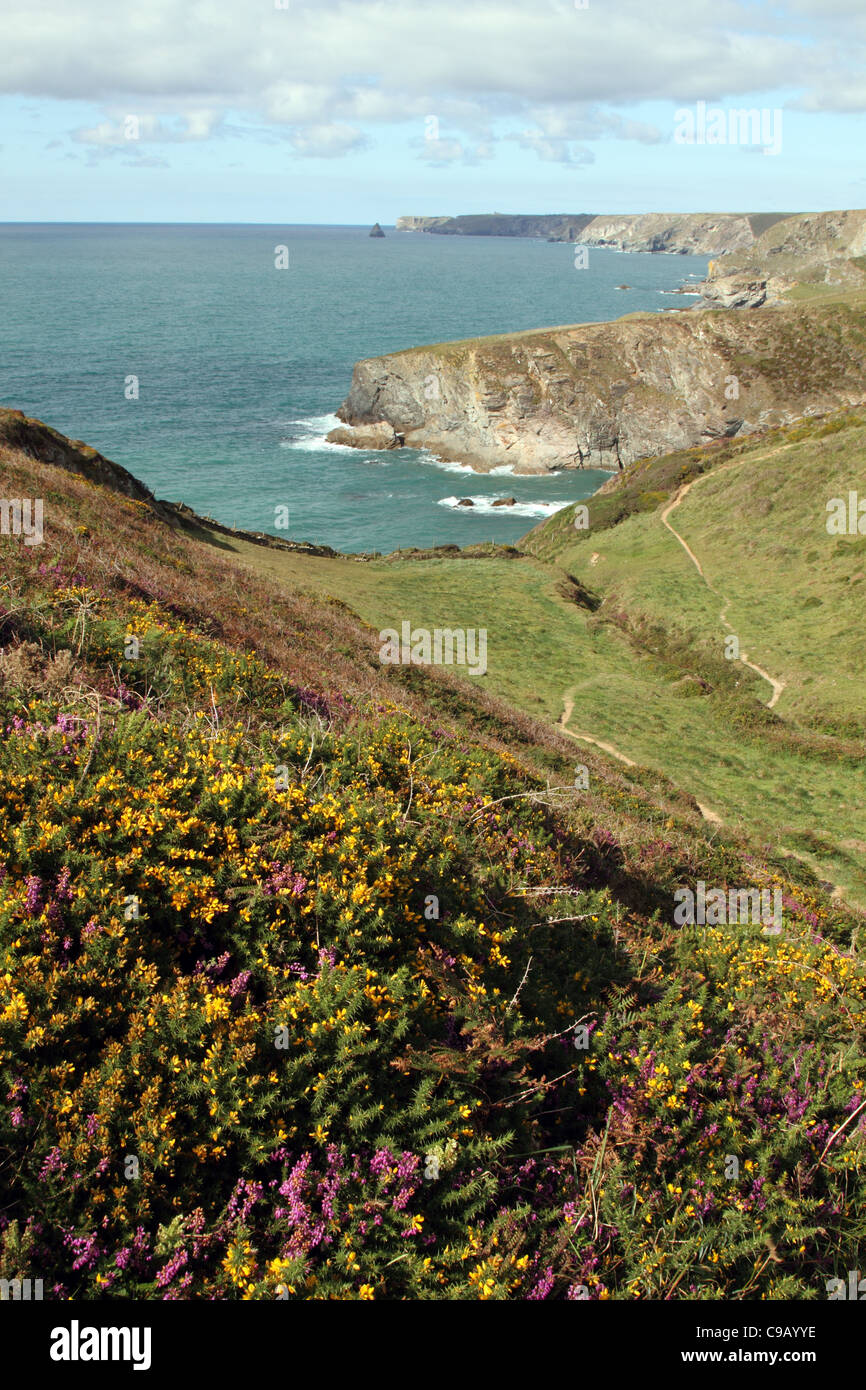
[(377, 230)]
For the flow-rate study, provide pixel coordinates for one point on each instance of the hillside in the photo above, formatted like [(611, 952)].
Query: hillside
[(602, 395), (322, 978), (684, 551), (598, 624)]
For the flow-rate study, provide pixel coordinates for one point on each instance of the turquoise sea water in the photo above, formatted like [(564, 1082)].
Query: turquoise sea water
[(241, 365)]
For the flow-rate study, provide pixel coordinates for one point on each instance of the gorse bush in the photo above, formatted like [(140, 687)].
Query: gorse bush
[(308, 997), (225, 976)]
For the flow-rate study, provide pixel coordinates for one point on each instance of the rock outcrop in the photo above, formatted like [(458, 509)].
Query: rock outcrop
[(379, 435), (811, 248), (376, 230), (601, 395), (740, 292)]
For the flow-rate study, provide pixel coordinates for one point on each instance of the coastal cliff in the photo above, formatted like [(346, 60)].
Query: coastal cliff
[(420, 224), (699, 234), (694, 234), (814, 249), (601, 395), (557, 226)]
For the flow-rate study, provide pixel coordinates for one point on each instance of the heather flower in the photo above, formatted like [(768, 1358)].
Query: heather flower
[(53, 1165), (544, 1285), (284, 879), (33, 899)]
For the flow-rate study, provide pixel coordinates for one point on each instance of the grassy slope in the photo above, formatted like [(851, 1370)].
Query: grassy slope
[(413, 1043), (793, 595)]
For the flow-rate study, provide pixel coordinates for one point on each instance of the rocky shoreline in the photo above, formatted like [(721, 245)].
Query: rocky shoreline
[(602, 395)]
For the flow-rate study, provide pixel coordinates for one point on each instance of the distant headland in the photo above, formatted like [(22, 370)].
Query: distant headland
[(695, 233)]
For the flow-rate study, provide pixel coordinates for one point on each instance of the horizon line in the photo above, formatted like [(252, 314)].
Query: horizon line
[(211, 222)]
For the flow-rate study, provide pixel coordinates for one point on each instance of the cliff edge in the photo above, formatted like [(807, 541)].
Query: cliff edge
[(600, 395)]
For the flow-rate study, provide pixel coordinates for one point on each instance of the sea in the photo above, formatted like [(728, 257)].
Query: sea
[(209, 360)]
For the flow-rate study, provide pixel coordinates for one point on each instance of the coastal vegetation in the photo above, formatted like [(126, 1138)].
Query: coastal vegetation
[(327, 979)]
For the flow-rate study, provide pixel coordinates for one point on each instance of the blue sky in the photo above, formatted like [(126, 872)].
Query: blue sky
[(360, 110)]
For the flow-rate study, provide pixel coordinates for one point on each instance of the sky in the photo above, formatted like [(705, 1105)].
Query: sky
[(355, 111)]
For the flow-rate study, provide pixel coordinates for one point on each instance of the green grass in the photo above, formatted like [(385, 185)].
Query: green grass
[(647, 672), (757, 522)]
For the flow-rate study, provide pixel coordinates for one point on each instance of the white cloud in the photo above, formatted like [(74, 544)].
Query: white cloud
[(553, 150), (290, 102), (327, 141), (321, 69), (122, 130)]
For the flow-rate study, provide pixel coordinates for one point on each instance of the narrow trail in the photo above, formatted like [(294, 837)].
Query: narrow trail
[(776, 685), (710, 816), (568, 709), (588, 738), (677, 499)]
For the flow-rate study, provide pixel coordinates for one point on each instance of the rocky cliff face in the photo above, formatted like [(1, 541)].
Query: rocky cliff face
[(695, 234), (602, 395), (699, 234), (816, 248)]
